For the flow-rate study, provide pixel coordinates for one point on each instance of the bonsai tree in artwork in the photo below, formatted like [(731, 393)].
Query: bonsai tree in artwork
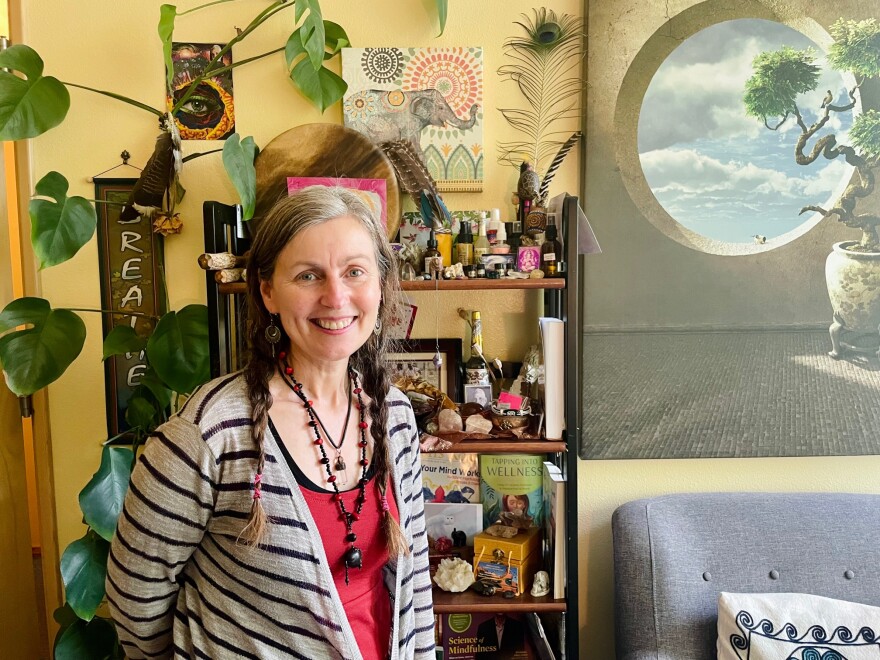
[(771, 95)]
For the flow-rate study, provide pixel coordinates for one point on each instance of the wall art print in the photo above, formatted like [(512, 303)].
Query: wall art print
[(209, 113), (432, 97)]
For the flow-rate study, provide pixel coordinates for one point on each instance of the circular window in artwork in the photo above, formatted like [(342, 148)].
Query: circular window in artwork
[(721, 173)]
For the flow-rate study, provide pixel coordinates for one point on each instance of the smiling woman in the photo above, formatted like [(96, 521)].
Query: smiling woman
[(293, 487)]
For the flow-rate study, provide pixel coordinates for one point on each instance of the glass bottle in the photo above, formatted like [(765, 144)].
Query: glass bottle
[(551, 252), (475, 368), (465, 246), (481, 245), (433, 260)]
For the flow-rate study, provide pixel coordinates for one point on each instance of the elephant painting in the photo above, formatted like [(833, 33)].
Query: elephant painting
[(386, 115)]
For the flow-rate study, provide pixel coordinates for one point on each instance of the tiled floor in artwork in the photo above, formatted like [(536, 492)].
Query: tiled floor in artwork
[(726, 394)]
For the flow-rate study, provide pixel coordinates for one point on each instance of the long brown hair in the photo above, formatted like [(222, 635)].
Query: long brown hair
[(288, 217)]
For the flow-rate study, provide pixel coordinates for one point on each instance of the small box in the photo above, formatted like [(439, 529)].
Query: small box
[(507, 563)]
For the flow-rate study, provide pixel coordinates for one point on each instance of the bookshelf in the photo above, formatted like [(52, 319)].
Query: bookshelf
[(561, 300)]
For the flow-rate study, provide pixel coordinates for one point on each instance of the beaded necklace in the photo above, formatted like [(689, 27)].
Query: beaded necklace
[(353, 557)]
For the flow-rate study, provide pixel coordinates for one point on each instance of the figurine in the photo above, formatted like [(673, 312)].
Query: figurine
[(459, 538), (541, 585)]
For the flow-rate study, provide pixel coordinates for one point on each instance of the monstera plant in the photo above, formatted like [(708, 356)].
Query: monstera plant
[(38, 342), (781, 81)]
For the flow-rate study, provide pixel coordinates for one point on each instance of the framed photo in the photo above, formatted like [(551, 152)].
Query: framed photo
[(481, 394), (416, 360), (528, 258)]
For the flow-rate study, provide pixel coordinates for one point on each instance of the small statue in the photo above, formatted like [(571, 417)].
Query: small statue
[(529, 182), (459, 538), (541, 585)]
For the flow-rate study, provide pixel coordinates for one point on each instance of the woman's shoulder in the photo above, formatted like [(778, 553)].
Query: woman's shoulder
[(217, 400), (398, 404)]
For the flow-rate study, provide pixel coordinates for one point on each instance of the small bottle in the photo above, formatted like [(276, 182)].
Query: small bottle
[(465, 246), (551, 252), (494, 224), (501, 246), (513, 234), (475, 368), (481, 245), (433, 260)]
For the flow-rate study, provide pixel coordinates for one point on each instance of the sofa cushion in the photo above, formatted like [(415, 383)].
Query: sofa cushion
[(786, 626)]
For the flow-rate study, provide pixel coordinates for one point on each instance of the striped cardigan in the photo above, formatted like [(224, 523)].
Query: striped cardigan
[(178, 583)]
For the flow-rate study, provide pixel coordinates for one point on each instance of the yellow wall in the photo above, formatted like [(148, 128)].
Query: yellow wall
[(113, 45)]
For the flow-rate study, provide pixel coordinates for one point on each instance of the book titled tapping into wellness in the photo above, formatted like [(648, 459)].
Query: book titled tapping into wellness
[(511, 485)]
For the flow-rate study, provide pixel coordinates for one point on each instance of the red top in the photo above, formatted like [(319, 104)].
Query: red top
[(365, 598)]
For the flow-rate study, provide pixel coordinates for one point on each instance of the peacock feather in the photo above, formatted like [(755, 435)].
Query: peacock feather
[(546, 67)]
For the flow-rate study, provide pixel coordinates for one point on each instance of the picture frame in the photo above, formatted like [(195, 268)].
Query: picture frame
[(528, 258), (417, 357), (481, 394)]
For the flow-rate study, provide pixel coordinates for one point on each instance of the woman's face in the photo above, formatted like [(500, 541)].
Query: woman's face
[(327, 290), (480, 397), (515, 505)]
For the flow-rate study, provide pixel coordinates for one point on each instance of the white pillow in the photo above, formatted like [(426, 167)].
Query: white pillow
[(796, 627)]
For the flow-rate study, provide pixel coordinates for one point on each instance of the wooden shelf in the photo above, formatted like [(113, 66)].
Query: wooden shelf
[(484, 284), (504, 447), (445, 285), (470, 601)]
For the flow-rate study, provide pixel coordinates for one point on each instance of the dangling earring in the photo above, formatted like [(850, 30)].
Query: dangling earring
[(272, 333), (378, 328)]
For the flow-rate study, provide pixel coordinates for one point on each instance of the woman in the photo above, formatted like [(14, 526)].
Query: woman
[(280, 513)]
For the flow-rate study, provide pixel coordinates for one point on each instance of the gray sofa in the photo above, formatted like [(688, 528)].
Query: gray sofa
[(673, 554)]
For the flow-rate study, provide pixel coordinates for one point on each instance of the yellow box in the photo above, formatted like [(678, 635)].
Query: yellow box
[(508, 564)]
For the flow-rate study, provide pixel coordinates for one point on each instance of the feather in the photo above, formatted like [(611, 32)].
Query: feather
[(411, 171), (554, 165), (433, 210), (158, 179)]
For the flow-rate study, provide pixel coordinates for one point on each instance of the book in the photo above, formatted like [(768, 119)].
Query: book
[(553, 547), (510, 487), (453, 478), (539, 637), (553, 353), (474, 636)]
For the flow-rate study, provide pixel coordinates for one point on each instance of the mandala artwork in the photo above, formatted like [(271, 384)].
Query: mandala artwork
[(430, 96)]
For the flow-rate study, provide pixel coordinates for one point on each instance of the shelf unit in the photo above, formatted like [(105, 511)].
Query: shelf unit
[(561, 300)]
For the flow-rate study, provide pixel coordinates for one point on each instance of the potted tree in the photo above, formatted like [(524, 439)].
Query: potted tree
[(772, 94)]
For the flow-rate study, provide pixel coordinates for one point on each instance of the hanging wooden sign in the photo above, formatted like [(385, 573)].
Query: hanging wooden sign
[(132, 280)]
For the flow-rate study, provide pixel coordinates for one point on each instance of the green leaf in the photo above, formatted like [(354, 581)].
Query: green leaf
[(157, 388), (178, 348), (84, 570), (101, 500), (238, 159), (321, 87), (93, 640), (60, 227), (36, 356), (123, 339), (313, 33), (64, 615), (142, 413), (442, 10), (167, 15), (335, 37), (31, 106)]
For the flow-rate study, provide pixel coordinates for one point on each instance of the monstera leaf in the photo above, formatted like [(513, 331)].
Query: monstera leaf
[(60, 225), (84, 569), (442, 11), (123, 339), (312, 31), (238, 159), (38, 355), (101, 499), (80, 640), (167, 15), (321, 86), (32, 105), (178, 348)]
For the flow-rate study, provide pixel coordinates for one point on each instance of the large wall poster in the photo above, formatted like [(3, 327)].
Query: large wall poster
[(432, 97), (708, 319)]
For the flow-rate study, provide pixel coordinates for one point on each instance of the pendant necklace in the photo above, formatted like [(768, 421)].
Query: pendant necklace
[(353, 557), (339, 463)]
